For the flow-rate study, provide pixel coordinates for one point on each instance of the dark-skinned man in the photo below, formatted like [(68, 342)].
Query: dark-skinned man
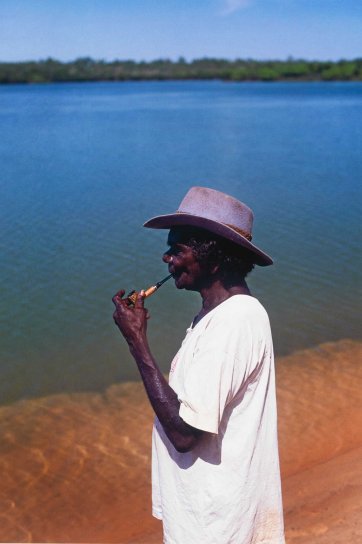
[(215, 464)]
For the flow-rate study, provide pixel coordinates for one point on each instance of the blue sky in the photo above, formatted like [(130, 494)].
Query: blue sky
[(151, 29)]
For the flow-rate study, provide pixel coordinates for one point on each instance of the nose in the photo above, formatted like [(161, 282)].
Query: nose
[(166, 257)]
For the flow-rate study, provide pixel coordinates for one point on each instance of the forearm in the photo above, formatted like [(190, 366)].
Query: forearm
[(132, 324), (163, 399)]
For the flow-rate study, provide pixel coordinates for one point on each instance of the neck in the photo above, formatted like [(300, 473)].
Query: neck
[(217, 293)]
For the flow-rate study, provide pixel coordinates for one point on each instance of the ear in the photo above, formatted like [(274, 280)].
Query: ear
[(214, 269), (209, 268)]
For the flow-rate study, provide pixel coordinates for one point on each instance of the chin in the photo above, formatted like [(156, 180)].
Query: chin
[(186, 287), (178, 284)]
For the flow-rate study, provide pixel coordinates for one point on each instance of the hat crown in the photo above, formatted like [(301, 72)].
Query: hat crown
[(216, 206)]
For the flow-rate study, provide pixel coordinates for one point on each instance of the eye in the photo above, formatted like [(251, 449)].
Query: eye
[(173, 250)]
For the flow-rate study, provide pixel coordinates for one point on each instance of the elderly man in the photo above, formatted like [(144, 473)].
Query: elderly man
[(215, 464)]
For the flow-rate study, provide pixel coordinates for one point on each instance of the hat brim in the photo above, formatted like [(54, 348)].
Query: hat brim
[(186, 219)]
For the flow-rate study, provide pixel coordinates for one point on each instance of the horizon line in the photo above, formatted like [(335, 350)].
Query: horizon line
[(182, 59)]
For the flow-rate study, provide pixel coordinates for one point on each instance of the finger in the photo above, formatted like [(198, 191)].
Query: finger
[(118, 296), (140, 299)]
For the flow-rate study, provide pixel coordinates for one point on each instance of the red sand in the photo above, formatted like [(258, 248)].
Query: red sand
[(76, 468)]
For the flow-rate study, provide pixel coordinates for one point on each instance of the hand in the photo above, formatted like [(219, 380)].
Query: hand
[(131, 321)]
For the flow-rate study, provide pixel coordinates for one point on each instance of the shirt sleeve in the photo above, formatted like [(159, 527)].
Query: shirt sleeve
[(218, 370)]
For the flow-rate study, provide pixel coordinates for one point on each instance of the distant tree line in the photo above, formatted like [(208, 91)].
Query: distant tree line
[(87, 69)]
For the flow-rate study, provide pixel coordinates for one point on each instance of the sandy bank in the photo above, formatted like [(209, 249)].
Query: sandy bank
[(76, 468)]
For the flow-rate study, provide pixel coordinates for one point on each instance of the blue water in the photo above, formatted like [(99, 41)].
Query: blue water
[(84, 165)]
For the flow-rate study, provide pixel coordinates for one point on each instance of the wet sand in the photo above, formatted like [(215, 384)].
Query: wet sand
[(76, 468)]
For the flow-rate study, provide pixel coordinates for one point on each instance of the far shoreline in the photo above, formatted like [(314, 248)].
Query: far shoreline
[(86, 69), (217, 80)]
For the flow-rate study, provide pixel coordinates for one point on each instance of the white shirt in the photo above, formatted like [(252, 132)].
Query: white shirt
[(227, 489)]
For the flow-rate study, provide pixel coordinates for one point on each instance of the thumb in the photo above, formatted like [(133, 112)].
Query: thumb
[(140, 299)]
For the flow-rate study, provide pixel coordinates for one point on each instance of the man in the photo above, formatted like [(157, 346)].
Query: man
[(215, 465)]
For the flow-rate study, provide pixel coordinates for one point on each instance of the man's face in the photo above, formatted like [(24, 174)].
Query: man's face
[(182, 264)]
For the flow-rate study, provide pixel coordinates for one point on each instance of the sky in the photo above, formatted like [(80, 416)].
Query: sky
[(155, 29)]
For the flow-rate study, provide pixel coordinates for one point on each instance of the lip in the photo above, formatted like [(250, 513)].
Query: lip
[(175, 275)]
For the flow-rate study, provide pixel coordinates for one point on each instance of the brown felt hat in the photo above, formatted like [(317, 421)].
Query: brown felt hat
[(215, 212)]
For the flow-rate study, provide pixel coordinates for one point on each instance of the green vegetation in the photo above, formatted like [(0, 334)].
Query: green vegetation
[(87, 69)]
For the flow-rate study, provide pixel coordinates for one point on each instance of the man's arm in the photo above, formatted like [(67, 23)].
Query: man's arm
[(132, 322)]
